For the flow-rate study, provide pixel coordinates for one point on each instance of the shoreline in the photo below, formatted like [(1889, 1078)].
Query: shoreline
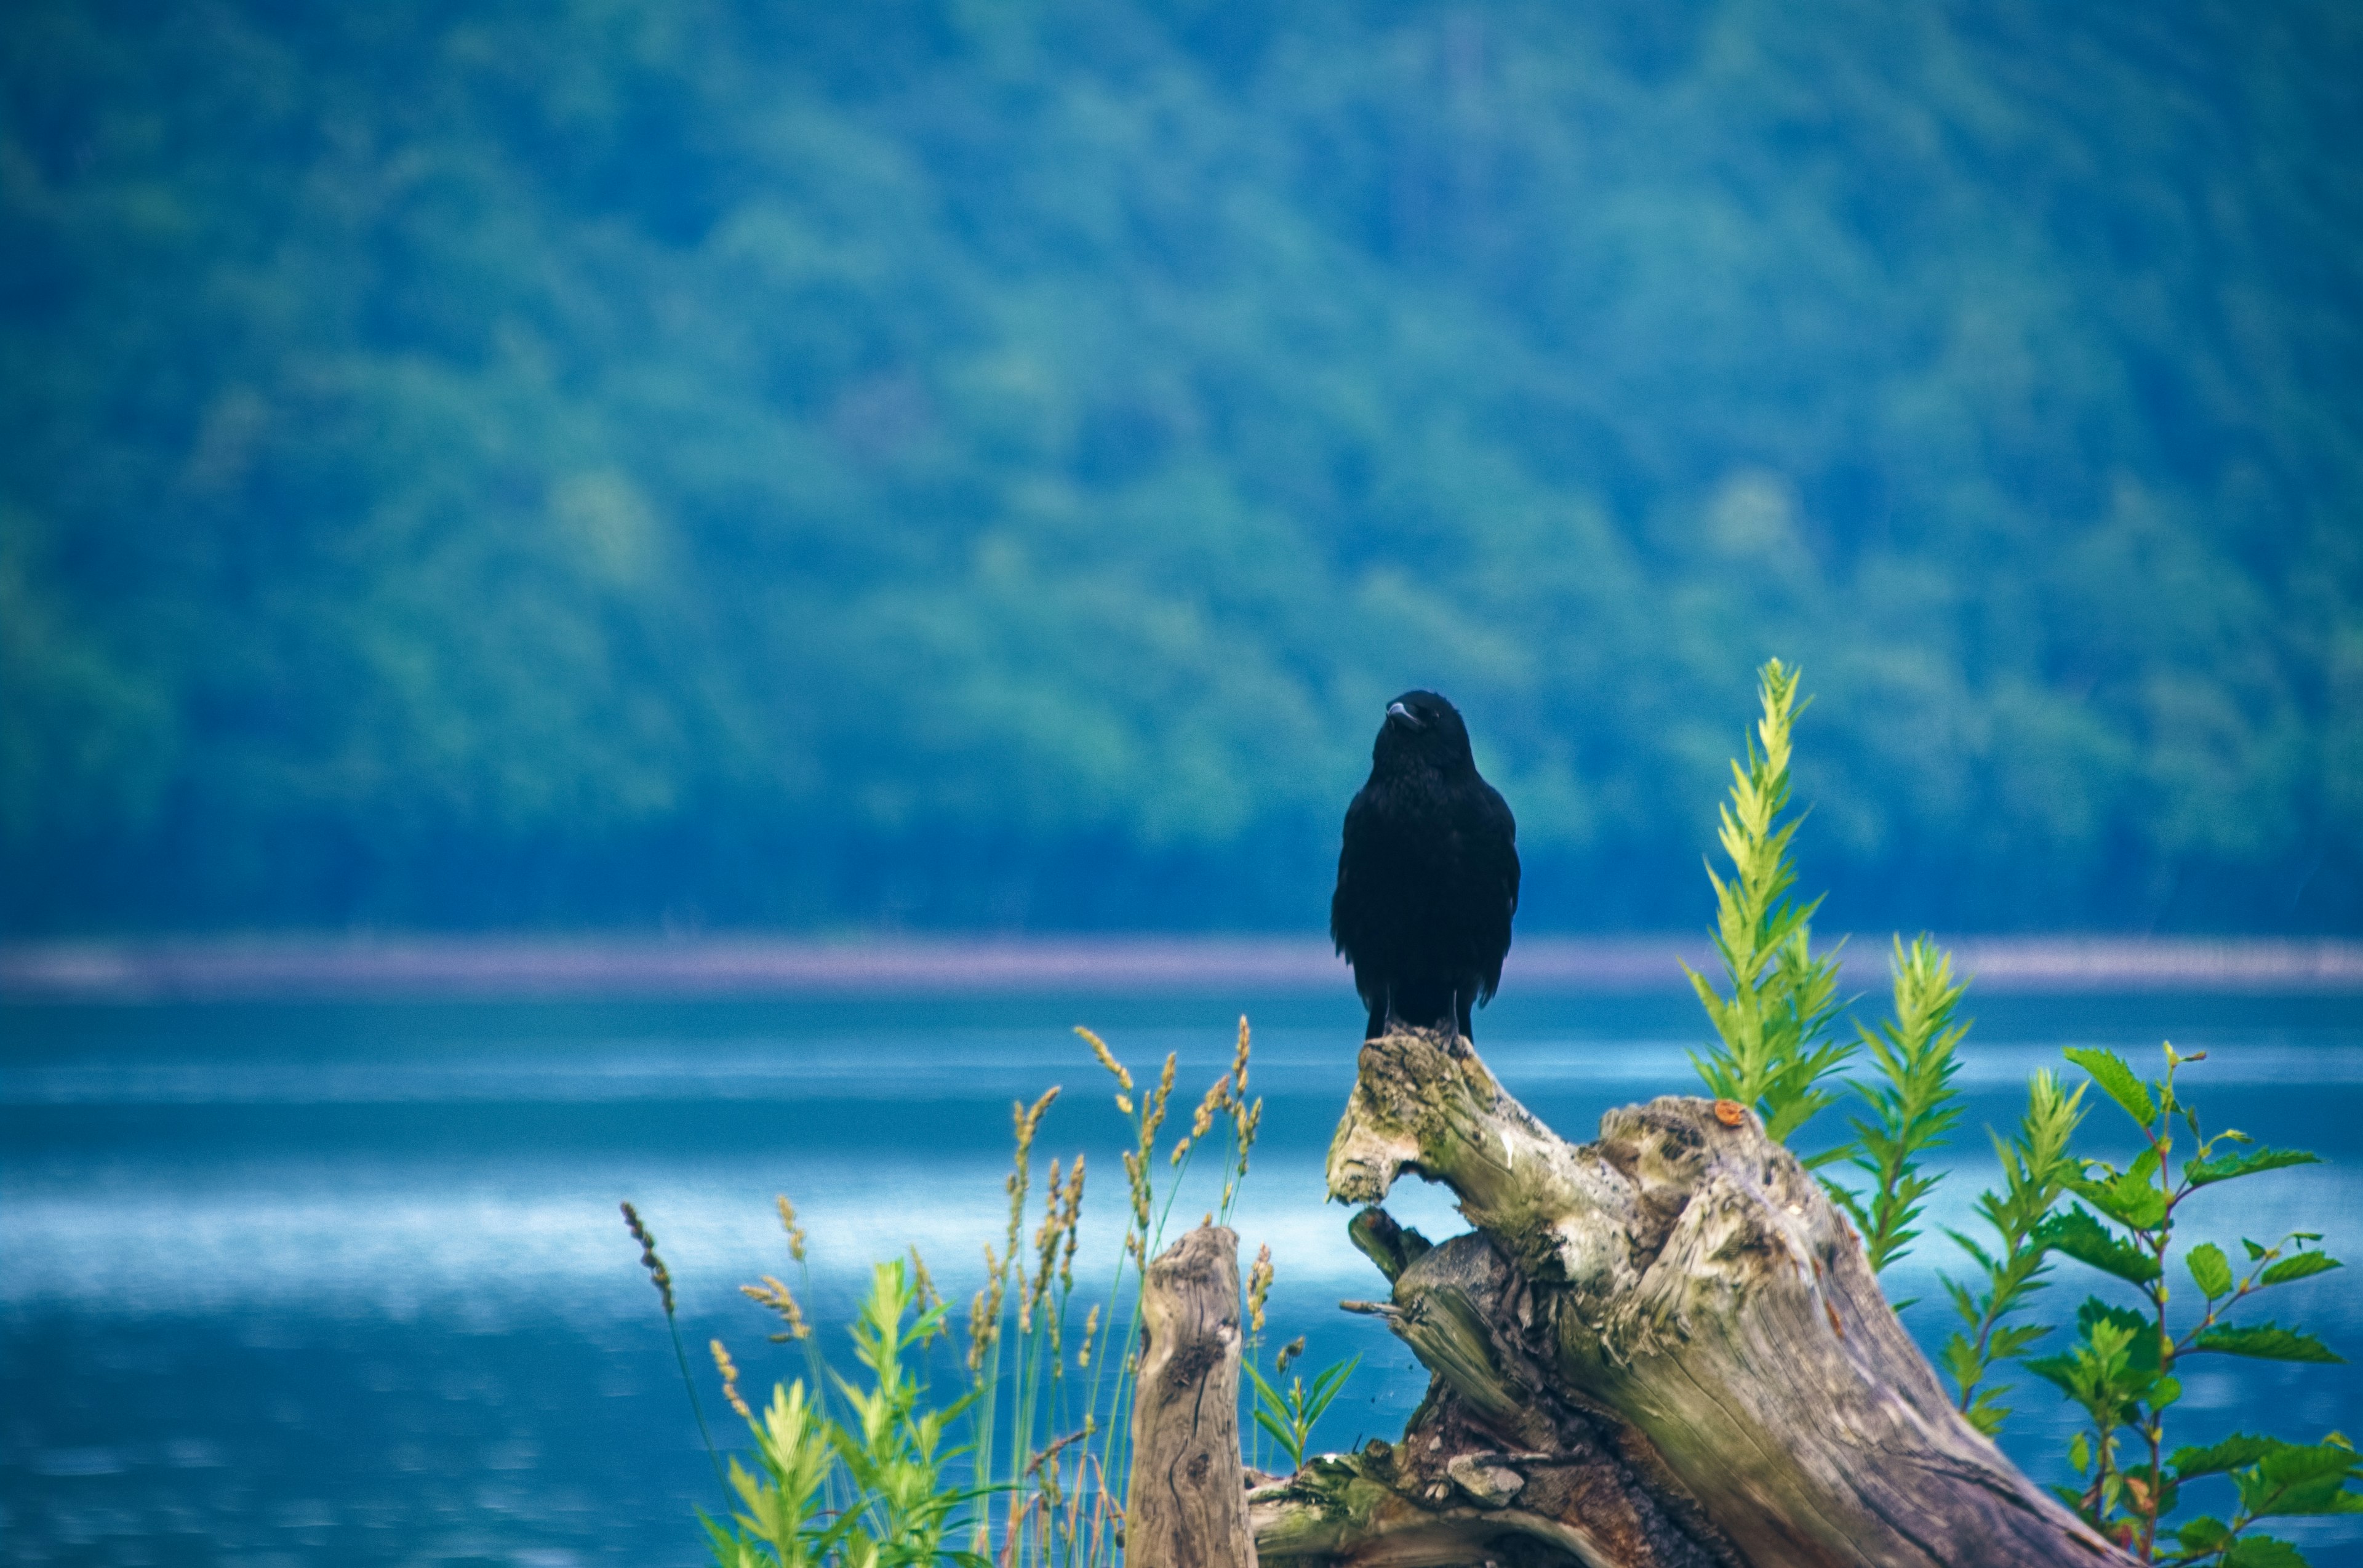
[(499, 967)]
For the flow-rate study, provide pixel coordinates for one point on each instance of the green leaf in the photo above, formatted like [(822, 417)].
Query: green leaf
[(1326, 1388), (2118, 1080), (1978, 1254), (2210, 1270), (2140, 1333), (2127, 1199), (2266, 1342), (2301, 1265), (2062, 1372), (2299, 1479), (2005, 1343), (2204, 1172), (2081, 1236), (2205, 1533), (2234, 1453), (1280, 1435), (2263, 1552)]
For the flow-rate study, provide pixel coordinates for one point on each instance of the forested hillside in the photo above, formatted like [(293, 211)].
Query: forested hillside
[(988, 464)]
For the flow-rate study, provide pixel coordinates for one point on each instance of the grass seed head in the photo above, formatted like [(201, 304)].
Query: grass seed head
[(1259, 1285), (1217, 1098), (1030, 1118), (1107, 1059), (1288, 1353), (1046, 1238), (1135, 1175), (1073, 1222), (788, 1223), (980, 1333), (984, 1319), (928, 1296), (730, 1381), (658, 1275), (776, 1295)]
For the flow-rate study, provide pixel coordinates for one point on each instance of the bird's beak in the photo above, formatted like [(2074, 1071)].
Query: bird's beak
[(1396, 710)]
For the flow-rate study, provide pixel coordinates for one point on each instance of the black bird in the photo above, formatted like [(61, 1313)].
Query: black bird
[(1429, 876)]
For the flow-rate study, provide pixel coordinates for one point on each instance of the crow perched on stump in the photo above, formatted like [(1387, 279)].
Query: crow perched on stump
[(1429, 876)]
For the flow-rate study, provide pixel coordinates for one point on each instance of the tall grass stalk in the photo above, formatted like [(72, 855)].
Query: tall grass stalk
[(662, 1278), (1060, 1462), (860, 1475)]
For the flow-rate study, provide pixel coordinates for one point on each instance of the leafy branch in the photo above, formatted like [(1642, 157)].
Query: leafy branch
[(2123, 1368)]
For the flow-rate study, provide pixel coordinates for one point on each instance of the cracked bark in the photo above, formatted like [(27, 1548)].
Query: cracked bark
[(1187, 1506), (1660, 1349)]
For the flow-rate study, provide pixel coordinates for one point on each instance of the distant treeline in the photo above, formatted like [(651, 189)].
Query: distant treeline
[(536, 462)]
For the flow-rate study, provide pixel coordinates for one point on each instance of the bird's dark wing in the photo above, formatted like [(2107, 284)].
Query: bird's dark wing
[(1492, 850), (1349, 905)]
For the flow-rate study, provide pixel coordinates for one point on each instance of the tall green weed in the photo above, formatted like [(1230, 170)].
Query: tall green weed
[(1027, 1464), (1774, 1051)]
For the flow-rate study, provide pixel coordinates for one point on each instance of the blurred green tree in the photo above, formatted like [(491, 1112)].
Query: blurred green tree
[(556, 461)]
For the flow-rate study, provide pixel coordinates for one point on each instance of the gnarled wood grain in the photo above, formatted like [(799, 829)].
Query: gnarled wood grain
[(1187, 1506), (1663, 1347)]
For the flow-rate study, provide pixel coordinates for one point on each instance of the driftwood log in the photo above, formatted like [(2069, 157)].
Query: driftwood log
[(1662, 1348), (1187, 1506)]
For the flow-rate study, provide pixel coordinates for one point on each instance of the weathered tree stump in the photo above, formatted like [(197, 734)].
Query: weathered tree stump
[(1663, 1348), (1187, 1506)]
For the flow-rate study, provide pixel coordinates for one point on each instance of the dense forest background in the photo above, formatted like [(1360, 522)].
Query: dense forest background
[(588, 462)]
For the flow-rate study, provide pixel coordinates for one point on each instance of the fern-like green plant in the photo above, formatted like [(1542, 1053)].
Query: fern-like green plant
[(1911, 1099), (1773, 1053), (2036, 1168), (1773, 1050)]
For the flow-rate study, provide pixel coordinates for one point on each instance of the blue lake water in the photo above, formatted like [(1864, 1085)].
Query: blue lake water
[(298, 1283)]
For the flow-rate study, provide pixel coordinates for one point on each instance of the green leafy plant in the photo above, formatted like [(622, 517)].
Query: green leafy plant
[(1039, 1474), (904, 1510), (2036, 1167), (1289, 1416), (1913, 1101), (1774, 1051), (2122, 1369)]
